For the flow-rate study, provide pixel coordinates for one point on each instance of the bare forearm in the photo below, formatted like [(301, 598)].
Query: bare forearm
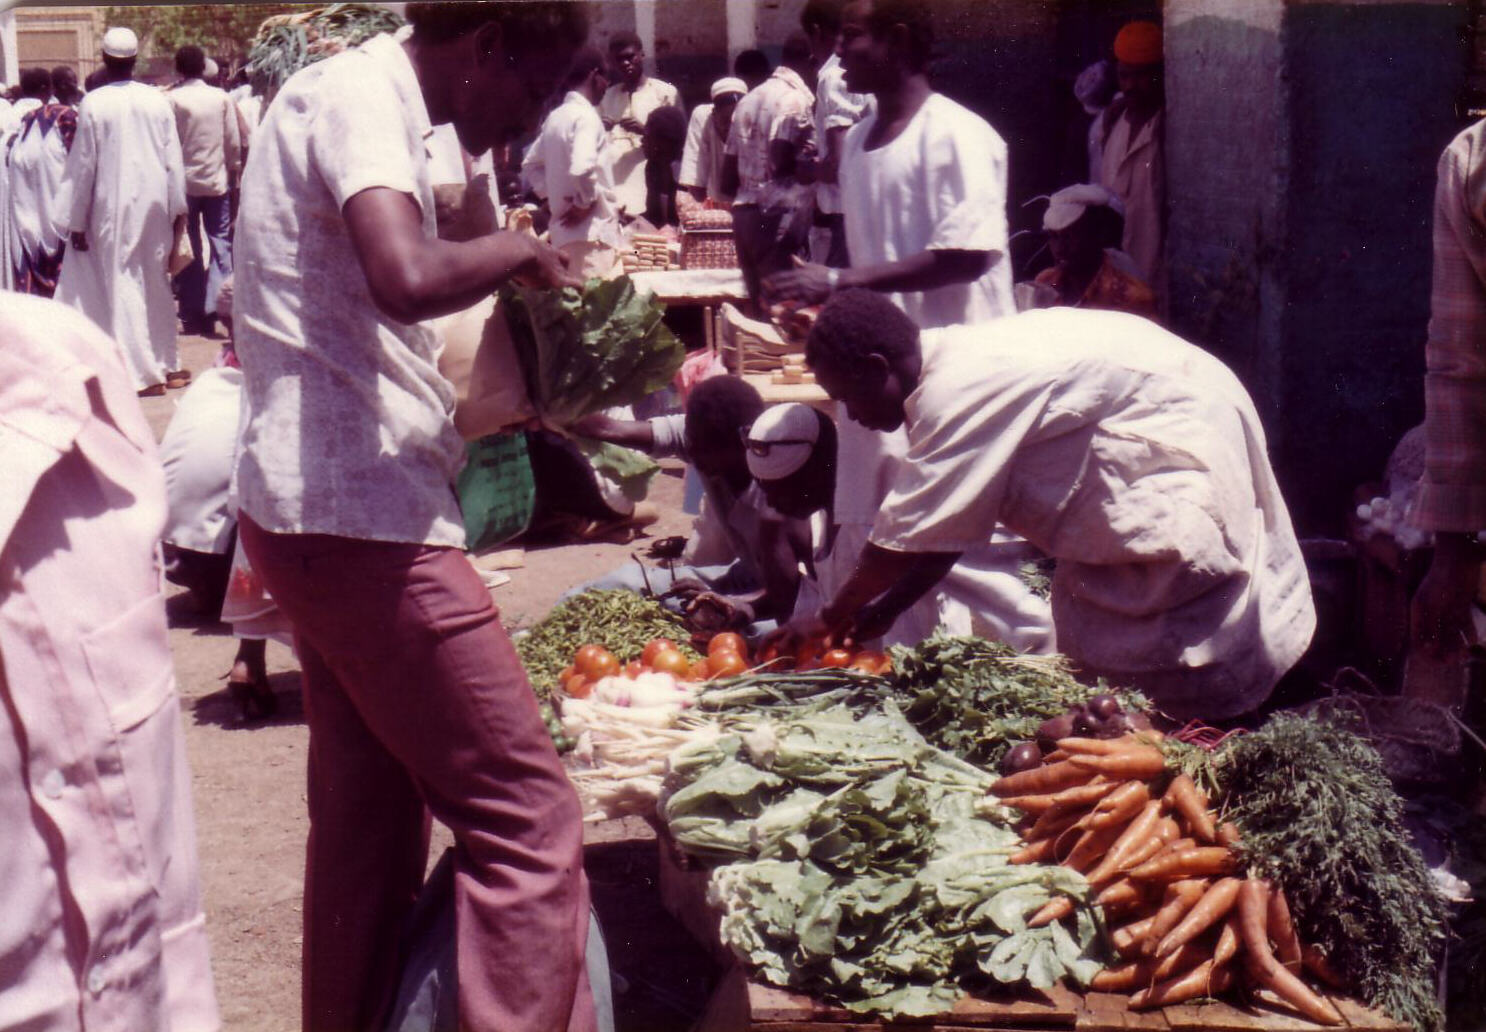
[(923, 271), (450, 277), (896, 578)]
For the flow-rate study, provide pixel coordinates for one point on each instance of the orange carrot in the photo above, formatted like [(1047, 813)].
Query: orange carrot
[(1055, 756), (1139, 832), (1184, 796), (1184, 959), (1127, 940), (1068, 798), (1282, 932), (1053, 823), (1253, 920), (1120, 806), (1122, 893), (1138, 763), (1037, 852), (1142, 852), (1228, 834), (1093, 844), (1121, 977), (1094, 746), (1203, 980), (1214, 905), (1201, 861), (1038, 780), (1227, 947), (1057, 908), (1181, 897)]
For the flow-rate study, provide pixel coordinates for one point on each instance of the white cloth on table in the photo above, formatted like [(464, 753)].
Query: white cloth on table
[(211, 140), (569, 165), (1138, 462), (103, 923), (348, 424), (197, 452), (836, 107), (779, 108), (627, 155), (124, 186)]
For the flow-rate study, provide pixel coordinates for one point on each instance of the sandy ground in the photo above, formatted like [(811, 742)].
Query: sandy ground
[(250, 800)]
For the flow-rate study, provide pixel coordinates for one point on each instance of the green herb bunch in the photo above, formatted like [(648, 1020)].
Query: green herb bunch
[(1319, 816), (978, 698)]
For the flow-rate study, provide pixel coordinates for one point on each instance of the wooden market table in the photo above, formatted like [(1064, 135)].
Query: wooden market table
[(740, 1004)]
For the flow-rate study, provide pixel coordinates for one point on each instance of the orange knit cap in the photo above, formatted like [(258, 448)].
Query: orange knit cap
[(1138, 43)]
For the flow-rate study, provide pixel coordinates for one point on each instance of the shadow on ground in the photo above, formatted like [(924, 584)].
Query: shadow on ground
[(220, 710), (662, 978)]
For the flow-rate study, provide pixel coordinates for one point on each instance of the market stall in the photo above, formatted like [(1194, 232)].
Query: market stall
[(960, 837)]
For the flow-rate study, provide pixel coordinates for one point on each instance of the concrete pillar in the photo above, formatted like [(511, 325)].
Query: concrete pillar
[(1301, 142), (9, 69), (742, 18)]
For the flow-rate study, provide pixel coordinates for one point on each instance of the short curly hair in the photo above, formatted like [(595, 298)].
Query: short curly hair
[(719, 408), (856, 323)]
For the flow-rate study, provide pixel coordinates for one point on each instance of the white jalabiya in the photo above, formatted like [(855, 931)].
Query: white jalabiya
[(36, 159), (124, 186), (569, 165), (1138, 462), (940, 185), (627, 147)]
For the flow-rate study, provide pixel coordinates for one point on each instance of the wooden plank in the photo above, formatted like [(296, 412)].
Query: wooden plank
[(1360, 1016), (1031, 1010), (1110, 1012)]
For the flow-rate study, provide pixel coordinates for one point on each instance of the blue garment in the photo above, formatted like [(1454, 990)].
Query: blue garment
[(202, 283)]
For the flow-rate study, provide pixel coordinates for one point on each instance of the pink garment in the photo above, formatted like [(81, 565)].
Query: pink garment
[(102, 926), (417, 702)]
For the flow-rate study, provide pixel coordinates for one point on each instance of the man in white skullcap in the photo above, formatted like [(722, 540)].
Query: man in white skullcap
[(123, 193), (706, 136)]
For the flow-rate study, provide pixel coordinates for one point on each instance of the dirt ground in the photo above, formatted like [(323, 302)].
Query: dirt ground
[(250, 804)]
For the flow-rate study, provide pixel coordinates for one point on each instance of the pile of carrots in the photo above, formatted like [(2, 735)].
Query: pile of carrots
[(1187, 921)]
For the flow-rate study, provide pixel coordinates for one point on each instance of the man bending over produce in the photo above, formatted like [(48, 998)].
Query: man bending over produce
[(760, 577), (1131, 457), (415, 698)]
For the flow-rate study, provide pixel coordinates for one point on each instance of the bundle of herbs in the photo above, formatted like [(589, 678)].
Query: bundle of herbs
[(977, 698), (1318, 815), (862, 864), (286, 43)]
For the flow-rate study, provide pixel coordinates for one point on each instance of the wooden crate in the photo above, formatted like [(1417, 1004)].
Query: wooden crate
[(739, 1005)]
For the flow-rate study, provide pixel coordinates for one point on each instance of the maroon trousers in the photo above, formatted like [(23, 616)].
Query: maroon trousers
[(417, 702)]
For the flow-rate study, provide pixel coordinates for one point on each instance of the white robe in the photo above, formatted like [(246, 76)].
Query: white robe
[(34, 222), (940, 184), (124, 186)]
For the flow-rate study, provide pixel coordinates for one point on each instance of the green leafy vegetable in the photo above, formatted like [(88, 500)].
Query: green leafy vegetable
[(286, 43), (586, 351), (1318, 815), (859, 862), (630, 469), (977, 698)]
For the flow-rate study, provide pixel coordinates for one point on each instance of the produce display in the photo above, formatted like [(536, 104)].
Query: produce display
[(861, 863)]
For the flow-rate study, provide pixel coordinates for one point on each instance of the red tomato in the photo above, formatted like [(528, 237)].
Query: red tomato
[(633, 669), (699, 671), (807, 656), (579, 687), (671, 661), (836, 658), (657, 645), (567, 674), (727, 641), (726, 664), (597, 664), (586, 655), (871, 662)]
